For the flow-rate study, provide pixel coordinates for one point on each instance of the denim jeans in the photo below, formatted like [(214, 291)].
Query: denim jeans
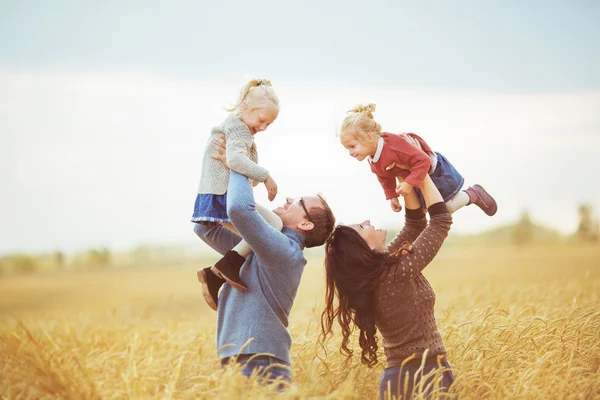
[(268, 368), (401, 380)]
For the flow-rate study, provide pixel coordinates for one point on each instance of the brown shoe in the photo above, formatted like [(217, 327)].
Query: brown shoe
[(228, 268), (211, 284), (482, 199)]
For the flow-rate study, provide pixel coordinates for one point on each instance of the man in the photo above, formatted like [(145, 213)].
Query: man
[(255, 322)]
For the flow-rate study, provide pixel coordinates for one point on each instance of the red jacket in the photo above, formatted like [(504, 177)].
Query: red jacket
[(399, 151)]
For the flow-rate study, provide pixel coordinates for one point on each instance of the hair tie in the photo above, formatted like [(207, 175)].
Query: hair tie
[(405, 247)]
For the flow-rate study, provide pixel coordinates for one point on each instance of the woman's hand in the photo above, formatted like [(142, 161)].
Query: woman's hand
[(220, 145)]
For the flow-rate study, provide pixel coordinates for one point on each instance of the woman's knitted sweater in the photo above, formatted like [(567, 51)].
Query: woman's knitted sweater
[(404, 298)]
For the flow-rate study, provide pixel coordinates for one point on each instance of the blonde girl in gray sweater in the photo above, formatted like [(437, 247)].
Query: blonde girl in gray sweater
[(256, 109)]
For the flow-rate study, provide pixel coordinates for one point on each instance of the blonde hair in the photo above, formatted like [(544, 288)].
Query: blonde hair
[(258, 93), (360, 120)]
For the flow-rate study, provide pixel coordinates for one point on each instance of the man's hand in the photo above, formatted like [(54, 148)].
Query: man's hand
[(404, 188), (271, 187), (395, 204), (414, 142), (402, 166), (220, 145)]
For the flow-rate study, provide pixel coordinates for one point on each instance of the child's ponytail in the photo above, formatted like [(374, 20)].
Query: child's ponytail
[(257, 93)]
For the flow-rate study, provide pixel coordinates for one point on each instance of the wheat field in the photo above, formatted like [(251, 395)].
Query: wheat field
[(518, 324)]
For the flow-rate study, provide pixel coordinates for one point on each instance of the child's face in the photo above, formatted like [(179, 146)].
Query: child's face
[(259, 119), (359, 149)]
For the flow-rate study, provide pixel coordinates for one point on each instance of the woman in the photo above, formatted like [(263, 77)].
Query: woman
[(382, 287)]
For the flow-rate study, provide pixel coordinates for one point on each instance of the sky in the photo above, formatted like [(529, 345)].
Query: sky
[(105, 108)]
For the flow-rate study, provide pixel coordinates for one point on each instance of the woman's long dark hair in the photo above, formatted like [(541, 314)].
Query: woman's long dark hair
[(353, 271)]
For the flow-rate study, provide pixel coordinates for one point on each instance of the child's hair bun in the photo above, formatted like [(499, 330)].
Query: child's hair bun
[(368, 109)]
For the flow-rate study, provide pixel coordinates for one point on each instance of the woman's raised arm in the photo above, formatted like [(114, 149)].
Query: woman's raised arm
[(414, 224), (429, 242)]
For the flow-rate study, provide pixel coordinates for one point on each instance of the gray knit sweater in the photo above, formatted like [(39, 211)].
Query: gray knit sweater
[(242, 157), (272, 273)]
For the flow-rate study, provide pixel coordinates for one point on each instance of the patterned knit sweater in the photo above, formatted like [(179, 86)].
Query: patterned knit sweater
[(404, 298), (242, 157)]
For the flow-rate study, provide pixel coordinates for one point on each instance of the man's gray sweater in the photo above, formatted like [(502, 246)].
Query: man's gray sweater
[(272, 273)]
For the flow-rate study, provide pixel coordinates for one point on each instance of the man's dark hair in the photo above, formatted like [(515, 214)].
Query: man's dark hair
[(323, 221)]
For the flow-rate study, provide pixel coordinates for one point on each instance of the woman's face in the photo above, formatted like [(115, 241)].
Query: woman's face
[(375, 238)]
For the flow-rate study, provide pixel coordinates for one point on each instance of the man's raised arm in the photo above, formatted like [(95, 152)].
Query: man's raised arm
[(241, 209)]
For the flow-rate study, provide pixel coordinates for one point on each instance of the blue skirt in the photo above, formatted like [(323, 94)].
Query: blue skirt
[(210, 208), (446, 178)]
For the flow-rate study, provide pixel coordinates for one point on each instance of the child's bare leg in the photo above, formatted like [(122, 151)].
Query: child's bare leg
[(457, 202), (269, 216)]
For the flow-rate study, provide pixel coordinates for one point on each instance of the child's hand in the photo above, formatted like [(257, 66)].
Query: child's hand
[(404, 189), (395, 204), (271, 187)]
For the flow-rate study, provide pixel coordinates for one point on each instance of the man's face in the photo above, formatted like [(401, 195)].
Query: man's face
[(292, 213)]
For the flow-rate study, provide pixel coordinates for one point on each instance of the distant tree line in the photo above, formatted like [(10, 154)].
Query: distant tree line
[(588, 229), (27, 263), (522, 233)]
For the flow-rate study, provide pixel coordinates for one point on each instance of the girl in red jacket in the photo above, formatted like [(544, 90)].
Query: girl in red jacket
[(409, 157)]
